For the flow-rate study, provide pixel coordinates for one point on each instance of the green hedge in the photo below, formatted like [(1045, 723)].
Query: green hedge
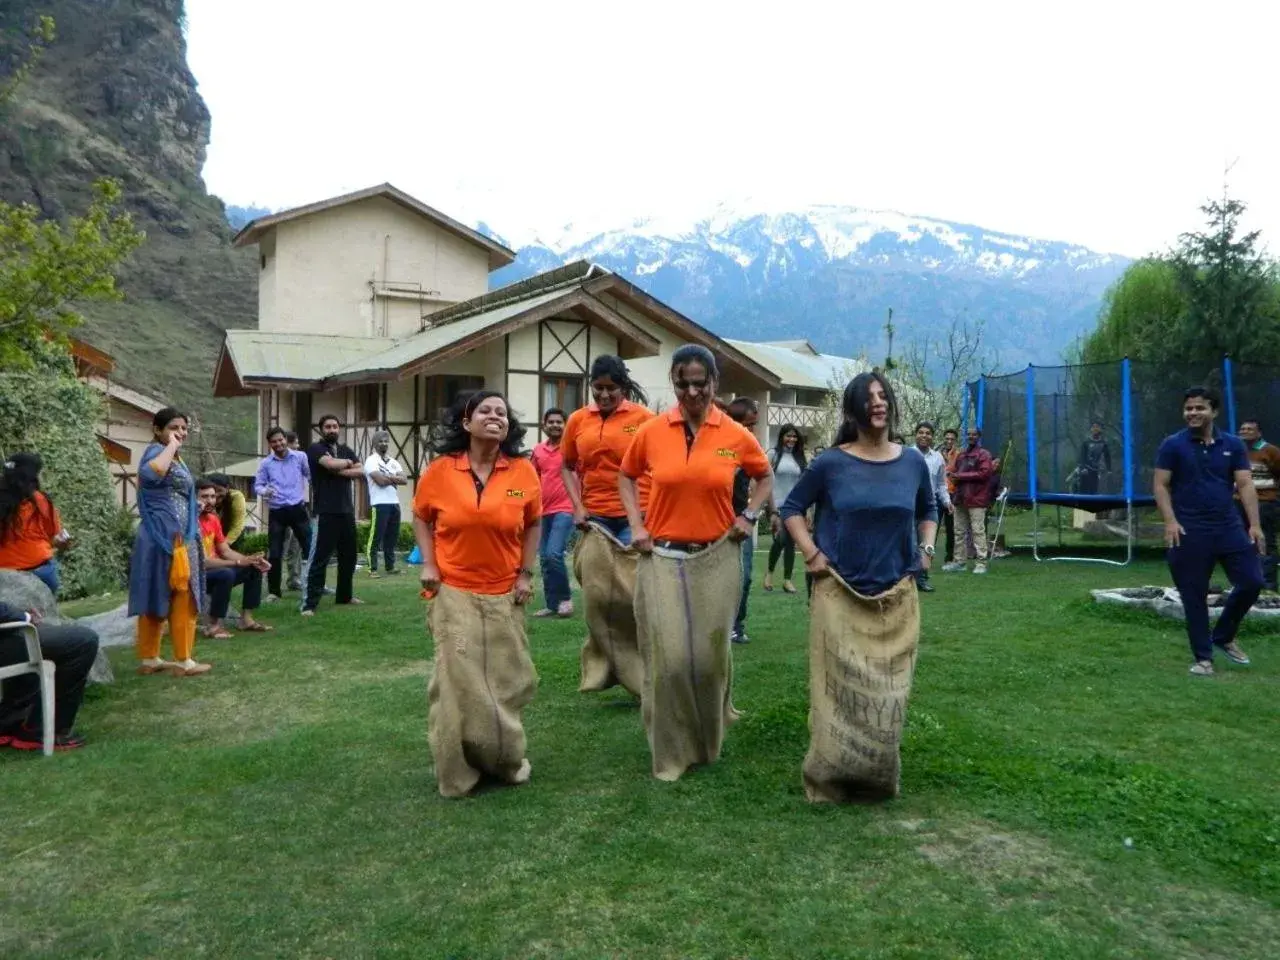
[(257, 542)]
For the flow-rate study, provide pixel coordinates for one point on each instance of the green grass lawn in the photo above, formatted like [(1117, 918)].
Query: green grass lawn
[(1068, 791)]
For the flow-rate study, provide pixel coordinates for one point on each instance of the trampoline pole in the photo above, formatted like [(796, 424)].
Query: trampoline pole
[(1230, 391), (1035, 531)]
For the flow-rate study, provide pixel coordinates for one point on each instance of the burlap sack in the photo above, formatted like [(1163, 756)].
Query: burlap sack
[(862, 656), (482, 680), (607, 571), (685, 606)]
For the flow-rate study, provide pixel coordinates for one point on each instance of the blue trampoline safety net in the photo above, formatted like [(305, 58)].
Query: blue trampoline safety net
[(1038, 421)]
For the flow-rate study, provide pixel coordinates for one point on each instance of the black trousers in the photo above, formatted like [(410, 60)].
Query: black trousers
[(384, 535), (222, 581), (72, 649), (1269, 520), (949, 529), (335, 533), (280, 521)]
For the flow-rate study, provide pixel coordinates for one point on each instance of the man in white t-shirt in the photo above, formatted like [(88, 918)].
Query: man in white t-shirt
[(384, 476)]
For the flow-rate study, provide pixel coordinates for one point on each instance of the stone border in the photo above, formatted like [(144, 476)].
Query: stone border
[(1166, 602)]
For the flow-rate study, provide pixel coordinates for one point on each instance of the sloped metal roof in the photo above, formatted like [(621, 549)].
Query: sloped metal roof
[(308, 357), (803, 370)]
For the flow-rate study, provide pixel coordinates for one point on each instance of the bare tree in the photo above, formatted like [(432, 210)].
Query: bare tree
[(933, 373)]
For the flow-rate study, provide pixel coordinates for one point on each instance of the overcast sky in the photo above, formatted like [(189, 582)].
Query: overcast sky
[(1101, 123)]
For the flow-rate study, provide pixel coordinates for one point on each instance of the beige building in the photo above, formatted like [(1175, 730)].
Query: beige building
[(374, 307), (125, 429)]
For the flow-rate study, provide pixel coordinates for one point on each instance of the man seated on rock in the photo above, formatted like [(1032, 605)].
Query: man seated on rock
[(225, 569), (72, 649)]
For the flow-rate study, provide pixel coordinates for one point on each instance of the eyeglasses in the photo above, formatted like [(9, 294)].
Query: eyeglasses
[(686, 386)]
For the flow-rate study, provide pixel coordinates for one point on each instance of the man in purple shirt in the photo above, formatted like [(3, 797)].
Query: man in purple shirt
[(281, 479)]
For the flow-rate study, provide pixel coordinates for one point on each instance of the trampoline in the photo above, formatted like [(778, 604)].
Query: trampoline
[(1038, 419)]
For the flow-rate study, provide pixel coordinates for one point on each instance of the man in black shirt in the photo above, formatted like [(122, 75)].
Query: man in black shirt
[(333, 466), (1095, 459)]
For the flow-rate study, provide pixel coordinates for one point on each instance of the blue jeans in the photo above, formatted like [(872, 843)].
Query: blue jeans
[(556, 530), (748, 554), (48, 572), (618, 526), (1192, 565)]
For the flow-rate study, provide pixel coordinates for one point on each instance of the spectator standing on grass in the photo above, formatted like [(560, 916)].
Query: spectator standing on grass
[(972, 473), (788, 461), (72, 650), (557, 517), (1095, 459), (937, 465), (949, 450), (31, 532), (1197, 472), (281, 481), (1264, 463), (745, 411), (385, 477), (225, 569), (333, 466), (166, 570), (295, 554)]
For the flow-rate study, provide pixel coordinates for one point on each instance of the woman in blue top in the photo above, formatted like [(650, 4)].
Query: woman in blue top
[(874, 531), (166, 571)]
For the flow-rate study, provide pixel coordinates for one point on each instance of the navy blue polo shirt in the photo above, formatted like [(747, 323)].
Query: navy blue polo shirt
[(1203, 483)]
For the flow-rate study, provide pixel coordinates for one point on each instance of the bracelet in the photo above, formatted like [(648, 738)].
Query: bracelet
[(812, 558)]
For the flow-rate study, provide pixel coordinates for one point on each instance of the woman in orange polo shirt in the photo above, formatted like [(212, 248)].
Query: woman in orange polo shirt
[(30, 528), (476, 516), (690, 574), (595, 439)]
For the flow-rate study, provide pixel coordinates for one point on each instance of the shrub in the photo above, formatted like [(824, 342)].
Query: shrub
[(48, 411)]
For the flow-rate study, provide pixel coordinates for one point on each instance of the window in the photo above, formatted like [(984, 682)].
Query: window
[(367, 402), (303, 418), (562, 392), (442, 391)]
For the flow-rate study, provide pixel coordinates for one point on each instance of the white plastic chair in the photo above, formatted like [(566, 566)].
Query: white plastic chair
[(35, 663)]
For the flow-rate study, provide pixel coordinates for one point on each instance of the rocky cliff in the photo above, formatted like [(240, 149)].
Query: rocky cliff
[(113, 97)]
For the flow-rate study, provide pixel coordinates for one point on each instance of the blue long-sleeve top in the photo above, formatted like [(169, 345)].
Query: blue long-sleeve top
[(867, 514)]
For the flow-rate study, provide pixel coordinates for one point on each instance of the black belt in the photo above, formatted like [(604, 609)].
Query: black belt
[(680, 545)]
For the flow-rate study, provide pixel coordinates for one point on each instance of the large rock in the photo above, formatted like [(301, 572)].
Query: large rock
[(28, 592)]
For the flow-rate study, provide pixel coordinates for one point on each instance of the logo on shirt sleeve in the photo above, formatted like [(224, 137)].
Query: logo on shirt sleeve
[(516, 494)]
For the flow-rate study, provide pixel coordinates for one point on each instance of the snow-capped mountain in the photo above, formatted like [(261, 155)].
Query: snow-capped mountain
[(830, 273)]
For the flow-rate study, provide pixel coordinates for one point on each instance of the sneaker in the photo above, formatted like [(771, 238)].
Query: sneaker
[(374, 575), (294, 586), (328, 591), (737, 637), (1202, 668), (925, 586), (271, 598), (394, 573), (544, 613), (953, 566), (565, 609), (308, 613), (979, 568), (1235, 654)]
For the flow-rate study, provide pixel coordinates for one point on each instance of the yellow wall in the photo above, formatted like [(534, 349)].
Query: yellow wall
[(320, 271)]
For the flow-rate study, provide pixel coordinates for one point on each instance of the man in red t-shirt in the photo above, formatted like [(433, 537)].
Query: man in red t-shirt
[(557, 517), (225, 569)]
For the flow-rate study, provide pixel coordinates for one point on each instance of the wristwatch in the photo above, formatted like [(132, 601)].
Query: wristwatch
[(927, 549), (751, 516)]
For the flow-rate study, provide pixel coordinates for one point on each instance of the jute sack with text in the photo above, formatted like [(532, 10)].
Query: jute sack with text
[(862, 656), (685, 604), (607, 571), (482, 680)]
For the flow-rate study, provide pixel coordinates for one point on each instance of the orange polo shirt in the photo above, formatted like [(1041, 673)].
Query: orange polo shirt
[(594, 446), (479, 531), (30, 545), (692, 495)]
